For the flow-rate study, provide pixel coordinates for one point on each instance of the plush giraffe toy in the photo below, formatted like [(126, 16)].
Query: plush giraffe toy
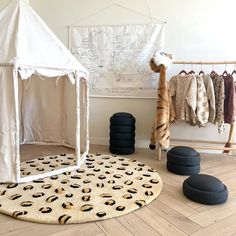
[(164, 111)]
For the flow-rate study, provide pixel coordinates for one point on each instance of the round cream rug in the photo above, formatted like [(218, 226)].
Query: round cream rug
[(105, 186)]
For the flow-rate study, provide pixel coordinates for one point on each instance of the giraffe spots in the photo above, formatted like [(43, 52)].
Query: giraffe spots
[(132, 190), (45, 210), (69, 195), (59, 190), (38, 195), (39, 181), (118, 176), (12, 185), (86, 190), (127, 196), (100, 185), (26, 204), (106, 195), (147, 186), (129, 172), (75, 177), (146, 175), (55, 177), (140, 203), (16, 214), (67, 205), (101, 214), (2, 193), (65, 181), (110, 202), (15, 196), (86, 198), (51, 199), (46, 186), (64, 219), (40, 169), (120, 208), (75, 186), (117, 187), (67, 173), (28, 187), (128, 182), (154, 181), (148, 193), (86, 207), (102, 177)]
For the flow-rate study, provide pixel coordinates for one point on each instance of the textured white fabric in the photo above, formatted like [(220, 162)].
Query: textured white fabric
[(42, 89)]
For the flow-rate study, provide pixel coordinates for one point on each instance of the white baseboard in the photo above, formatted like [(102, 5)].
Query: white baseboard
[(105, 141), (143, 144)]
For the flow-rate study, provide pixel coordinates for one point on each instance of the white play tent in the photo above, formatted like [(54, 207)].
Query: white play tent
[(43, 92)]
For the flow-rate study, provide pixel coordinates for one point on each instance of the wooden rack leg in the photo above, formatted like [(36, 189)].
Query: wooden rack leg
[(230, 139), (159, 153)]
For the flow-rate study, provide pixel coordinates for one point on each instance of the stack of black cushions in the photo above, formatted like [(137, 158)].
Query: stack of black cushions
[(183, 160), (122, 133)]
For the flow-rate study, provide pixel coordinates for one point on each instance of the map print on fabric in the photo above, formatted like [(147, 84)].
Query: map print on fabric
[(117, 58)]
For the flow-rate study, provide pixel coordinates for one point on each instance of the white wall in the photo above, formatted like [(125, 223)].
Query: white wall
[(195, 30)]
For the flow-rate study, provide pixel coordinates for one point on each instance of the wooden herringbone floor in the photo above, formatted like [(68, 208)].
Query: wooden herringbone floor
[(170, 214)]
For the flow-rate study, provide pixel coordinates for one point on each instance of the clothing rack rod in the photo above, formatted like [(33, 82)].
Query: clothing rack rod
[(204, 62)]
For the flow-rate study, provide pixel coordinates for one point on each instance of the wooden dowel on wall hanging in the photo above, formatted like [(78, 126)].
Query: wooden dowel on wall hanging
[(204, 62)]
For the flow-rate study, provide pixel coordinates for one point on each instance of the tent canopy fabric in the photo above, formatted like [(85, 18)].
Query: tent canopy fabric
[(45, 108), (28, 42)]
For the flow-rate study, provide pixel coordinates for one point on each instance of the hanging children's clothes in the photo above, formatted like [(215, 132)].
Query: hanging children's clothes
[(202, 110), (210, 97), (183, 90), (219, 89), (230, 99)]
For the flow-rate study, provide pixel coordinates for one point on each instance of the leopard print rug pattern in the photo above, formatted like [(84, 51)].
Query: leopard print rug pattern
[(105, 186)]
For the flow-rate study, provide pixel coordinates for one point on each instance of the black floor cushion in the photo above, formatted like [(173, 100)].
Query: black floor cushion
[(122, 115), (184, 150), (183, 160), (205, 189), (122, 121), (121, 143), (122, 128), (122, 150), (122, 136), (182, 169)]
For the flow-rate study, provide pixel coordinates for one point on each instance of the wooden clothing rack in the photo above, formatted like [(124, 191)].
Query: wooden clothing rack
[(208, 144)]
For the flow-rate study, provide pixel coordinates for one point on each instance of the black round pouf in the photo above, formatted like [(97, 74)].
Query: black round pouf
[(122, 129), (122, 121), (183, 160), (122, 143), (122, 136), (122, 150), (122, 115), (184, 150), (183, 170), (205, 189)]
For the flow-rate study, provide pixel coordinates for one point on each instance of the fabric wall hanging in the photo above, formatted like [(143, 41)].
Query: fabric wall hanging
[(117, 57)]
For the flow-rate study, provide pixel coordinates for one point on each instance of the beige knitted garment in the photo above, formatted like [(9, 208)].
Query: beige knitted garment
[(183, 89)]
